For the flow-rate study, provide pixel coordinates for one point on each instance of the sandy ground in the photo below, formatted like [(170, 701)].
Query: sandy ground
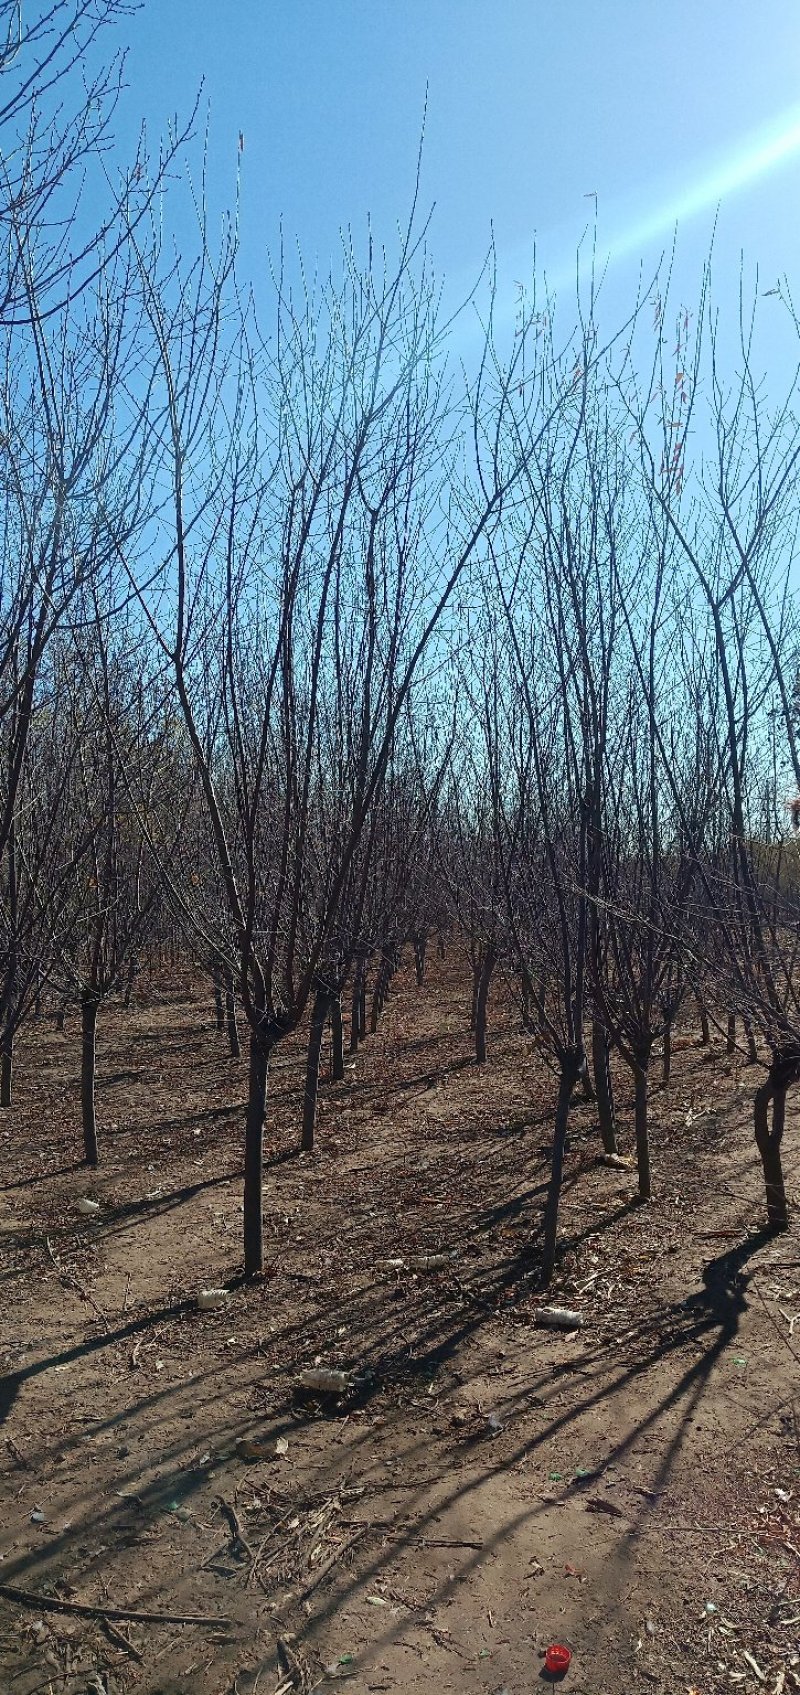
[(484, 1486)]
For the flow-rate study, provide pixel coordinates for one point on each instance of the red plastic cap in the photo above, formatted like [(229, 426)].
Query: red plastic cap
[(557, 1657)]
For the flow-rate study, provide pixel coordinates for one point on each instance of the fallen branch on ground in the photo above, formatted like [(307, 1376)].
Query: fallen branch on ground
[(138, 1615)]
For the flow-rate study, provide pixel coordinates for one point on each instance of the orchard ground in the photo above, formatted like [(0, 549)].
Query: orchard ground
[(485, 1486)]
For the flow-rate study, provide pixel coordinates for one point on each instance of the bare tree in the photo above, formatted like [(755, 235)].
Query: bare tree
[(319, 517), (731, 519)]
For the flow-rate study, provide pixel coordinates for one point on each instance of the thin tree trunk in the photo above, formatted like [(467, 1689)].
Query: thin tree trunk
[(569, 1072), (752, 1049), (731, 1043), (420, 949), (705, 1032), (337, 1038), (480, 1005), (230, 1015), (476, 983), (319, 1018), (640, 1070), (89, 1008), (355, 1005), (61, 1012), (379, 993), (6, 1066), (362, 1005), (602, 1083), (584, 1077), (768, 1142), (254, 1158), (441, 944), (133, 972)]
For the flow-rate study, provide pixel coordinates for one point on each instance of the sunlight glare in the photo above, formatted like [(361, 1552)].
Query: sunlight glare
[(753, 159)]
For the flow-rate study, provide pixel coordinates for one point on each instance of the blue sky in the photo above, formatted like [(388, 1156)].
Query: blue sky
[(657, 108)]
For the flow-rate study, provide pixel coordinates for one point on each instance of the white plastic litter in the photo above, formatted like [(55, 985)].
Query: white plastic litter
[(329, 1382), (429, 1262), (89, 1208), (209, 1298), (558, 1318)]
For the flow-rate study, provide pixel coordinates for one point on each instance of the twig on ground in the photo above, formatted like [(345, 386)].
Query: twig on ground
[(331, 1561), (68, 1280), (238, 1538), (122, 1641), (139, 1615)]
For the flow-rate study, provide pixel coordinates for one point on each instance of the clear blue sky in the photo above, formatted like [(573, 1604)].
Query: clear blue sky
[(532, 105)]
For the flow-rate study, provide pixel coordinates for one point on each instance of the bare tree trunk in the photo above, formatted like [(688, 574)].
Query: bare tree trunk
[(380, 992), (569, 1073), (60, 1015), (254, 1158), (6, 1066), (230, 1015), (768, 1142), (480, 1004), (89, 1006), (476, 982), (585, 1079), (441, 944), (752, 1048), (731, 1042), (420, 949), (705, 1032), (133, 972), (337, 1038), (362, 1005), (640, 1070), (359, 993), (319, 1018), (602, 1083)]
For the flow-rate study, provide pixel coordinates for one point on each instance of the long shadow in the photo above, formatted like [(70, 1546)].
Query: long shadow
[(364, 1091), (718, 1307), (178, 1121), (12, 1382), (117, 1219), (40, 1176)]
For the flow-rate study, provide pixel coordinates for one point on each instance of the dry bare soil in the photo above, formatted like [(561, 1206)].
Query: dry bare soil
[(485, 1486)]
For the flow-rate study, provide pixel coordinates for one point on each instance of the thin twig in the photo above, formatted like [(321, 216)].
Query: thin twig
[(138, 1615), (122, 1641), (331, 1561), (237, 1534)]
